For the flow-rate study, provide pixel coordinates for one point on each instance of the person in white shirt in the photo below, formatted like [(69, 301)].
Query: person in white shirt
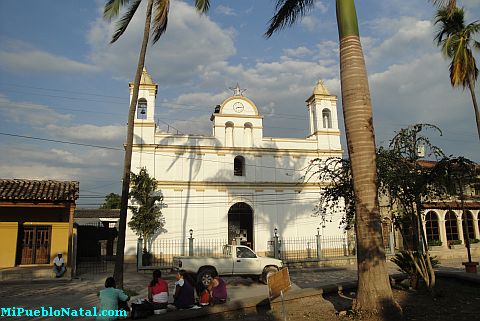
[(59, 265)]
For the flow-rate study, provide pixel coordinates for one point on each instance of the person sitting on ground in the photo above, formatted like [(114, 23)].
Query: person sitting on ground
[(158, 291), (59, 265), (217, 289), (110, 299), (184, 294)]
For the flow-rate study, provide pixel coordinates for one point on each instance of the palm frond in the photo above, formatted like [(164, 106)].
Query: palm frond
[(450, 5), (202, 5), (287, 13), (112, 8), (160, 19), (122, 24)]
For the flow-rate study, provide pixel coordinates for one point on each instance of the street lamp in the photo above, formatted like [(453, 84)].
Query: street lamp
[(191, 232), (275, 230), (318, 230)]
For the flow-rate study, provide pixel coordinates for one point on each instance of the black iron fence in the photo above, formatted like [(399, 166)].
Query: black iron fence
[(311, 248), (94, 248), (160, 253)]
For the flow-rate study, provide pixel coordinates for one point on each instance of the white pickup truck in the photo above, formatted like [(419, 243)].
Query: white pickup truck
[(236, 260)]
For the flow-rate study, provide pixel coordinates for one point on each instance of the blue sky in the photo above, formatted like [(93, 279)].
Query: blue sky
[(61, 80)]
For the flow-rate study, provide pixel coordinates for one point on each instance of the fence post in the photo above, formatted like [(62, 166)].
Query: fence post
[(319, 244), (139, 253), (190, 243), (276, 247), (345, 252)]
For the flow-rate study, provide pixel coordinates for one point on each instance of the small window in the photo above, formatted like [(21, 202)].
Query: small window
[(327, 119), (142, 109), (239, 166)]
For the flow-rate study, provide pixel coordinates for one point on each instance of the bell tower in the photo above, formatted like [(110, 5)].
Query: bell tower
[(144, 121), (322, 111)]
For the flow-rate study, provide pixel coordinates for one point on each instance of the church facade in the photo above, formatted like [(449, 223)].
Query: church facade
[(236, 184)]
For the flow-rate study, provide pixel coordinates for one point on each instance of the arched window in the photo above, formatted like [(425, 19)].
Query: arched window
[(431, 225), (451, 226), (239, 166), (327, 118), (142, 109), (470, 232), (387, 229), (229, 134), (248, 134)]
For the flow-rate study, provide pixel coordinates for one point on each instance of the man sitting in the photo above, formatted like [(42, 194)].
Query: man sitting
[(59, 266)]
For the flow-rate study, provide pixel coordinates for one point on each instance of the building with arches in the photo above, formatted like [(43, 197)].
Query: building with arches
[(236, 184)]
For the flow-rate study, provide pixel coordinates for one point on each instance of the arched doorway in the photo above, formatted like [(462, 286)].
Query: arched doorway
[(240, 224)]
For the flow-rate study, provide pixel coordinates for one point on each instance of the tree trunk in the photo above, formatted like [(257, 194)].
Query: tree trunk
[(374, 292), (119, 260), (471, 86)]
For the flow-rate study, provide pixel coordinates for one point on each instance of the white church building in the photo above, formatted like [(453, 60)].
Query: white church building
[(235, 184)]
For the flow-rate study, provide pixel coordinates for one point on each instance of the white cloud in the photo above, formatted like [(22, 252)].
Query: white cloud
[(190, 43), (30, 113), (20, 56), (310, 23), (87, 132), (298, 52), (225, 10)]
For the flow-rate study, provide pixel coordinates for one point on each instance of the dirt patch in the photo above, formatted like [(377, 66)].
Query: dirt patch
[(453, 300)]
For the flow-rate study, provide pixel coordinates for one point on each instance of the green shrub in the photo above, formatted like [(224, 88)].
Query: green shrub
[(454, 242), (434, 243), (407, 266), (472, 241)]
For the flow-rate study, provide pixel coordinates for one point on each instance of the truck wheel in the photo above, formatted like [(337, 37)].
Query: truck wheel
[(267, 272), (204, 277)]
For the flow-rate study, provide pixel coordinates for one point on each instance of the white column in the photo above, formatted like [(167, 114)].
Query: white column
[(460, 226), (443, 232), (475, 224)]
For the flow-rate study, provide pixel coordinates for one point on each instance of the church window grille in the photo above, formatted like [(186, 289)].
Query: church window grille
[(142, 109), (239, 166), (431, 224), (469, 221), (451, 226)]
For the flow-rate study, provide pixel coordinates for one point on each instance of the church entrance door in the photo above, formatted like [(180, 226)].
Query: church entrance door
[(240, 224)]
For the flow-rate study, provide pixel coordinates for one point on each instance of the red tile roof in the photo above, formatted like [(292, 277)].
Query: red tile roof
[(33, 190), (96, 213)]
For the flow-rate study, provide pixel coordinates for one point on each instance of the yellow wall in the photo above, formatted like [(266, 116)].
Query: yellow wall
[(59, 241), (8, 243)]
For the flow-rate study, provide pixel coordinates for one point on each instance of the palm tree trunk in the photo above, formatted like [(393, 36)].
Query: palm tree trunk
[(122, 225), (471, 86), (374, 292)]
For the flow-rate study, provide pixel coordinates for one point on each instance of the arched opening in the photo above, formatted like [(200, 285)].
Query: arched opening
[(327, 118), (248, 134), (239, 166), (387, 230), (142, 109), (240, 224), (468, 231), (431, 227), (229, 134), (451, 226)]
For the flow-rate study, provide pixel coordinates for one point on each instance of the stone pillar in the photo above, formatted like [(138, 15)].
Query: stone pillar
[(475, 224), (443, 233), (460, 226)]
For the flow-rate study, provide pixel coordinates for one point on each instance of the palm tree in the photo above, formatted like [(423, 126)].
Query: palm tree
[(456, 40), (160, 19), (374, 292)]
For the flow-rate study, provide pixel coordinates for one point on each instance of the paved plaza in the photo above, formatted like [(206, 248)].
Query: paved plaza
[(82, 293)]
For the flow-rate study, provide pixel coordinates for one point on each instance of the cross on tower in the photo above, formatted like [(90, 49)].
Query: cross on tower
[(237, 91)]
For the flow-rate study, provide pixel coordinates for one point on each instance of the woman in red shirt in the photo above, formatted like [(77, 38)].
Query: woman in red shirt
[(158, 291)]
